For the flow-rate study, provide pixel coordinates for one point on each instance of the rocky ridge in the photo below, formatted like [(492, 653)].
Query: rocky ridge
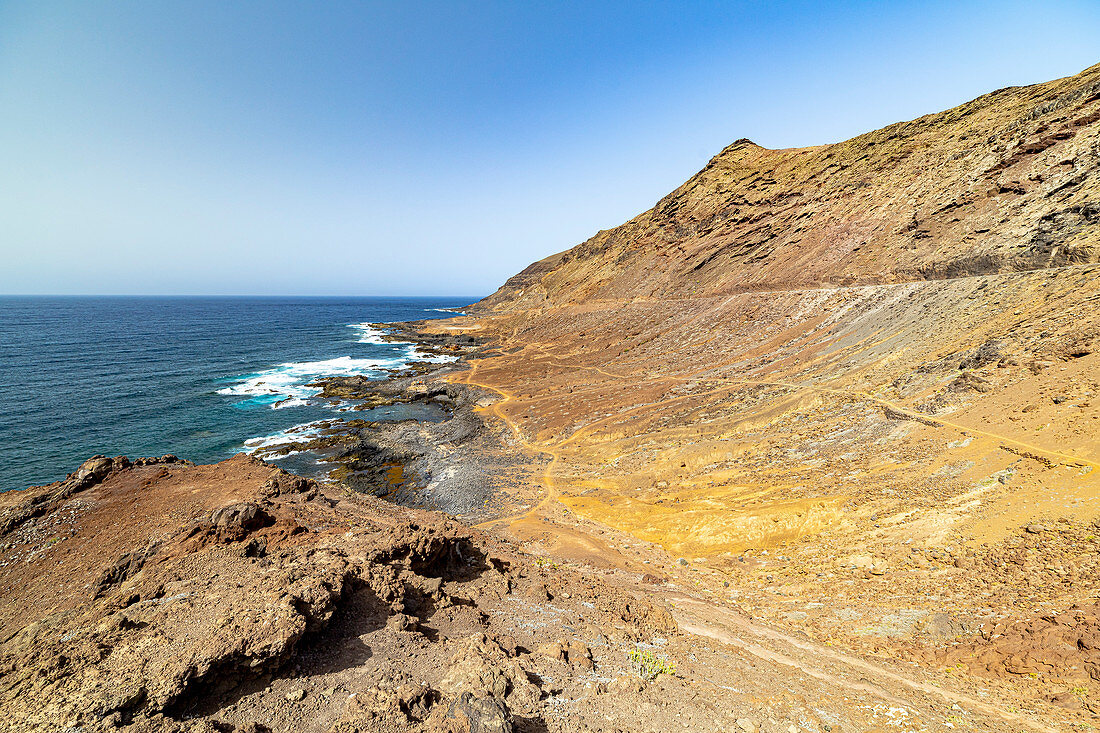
[(157, 595), (1004, 183)]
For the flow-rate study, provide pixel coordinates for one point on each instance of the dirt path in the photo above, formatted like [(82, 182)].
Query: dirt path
[(551, 492), (706, 619), (699, 617)]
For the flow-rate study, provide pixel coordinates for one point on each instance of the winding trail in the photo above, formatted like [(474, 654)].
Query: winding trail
[(552, 451), (701, 618), (713, 621)]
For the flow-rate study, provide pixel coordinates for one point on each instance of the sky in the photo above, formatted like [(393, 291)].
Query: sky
[(407, 148)]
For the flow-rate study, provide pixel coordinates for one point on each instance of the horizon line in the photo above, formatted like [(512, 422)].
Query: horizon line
[(220, 295)]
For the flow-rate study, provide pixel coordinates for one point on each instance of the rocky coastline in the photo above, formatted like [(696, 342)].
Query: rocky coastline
[(796, 451), (448, 458)]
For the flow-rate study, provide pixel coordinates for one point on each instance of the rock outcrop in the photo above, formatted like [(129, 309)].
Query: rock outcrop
[(156, 595)]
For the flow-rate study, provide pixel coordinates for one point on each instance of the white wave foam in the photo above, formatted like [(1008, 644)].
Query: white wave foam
[(447, 310), (368, 334), (371, 335), (296, 434), (287, 384), (411, 354)]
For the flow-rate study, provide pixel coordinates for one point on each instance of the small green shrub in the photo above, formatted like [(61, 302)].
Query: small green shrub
[(648, 665)]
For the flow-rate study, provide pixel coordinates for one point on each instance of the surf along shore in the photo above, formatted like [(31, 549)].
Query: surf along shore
[(441, 454)]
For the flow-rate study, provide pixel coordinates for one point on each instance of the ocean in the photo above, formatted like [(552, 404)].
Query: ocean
[(201, 377)]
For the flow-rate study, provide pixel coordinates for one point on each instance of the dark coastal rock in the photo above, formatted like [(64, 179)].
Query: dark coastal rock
[(433, 342), (454, 464), (355, 387)]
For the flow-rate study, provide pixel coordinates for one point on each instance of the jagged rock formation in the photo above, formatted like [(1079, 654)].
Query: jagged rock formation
[(158, 595)]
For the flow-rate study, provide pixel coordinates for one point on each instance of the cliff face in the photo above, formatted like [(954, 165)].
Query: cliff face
[(1007, 182)]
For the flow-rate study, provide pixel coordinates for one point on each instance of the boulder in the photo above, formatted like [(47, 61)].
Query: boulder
[(479, 715)]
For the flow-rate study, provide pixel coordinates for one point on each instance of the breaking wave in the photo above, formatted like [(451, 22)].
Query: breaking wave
[(295, 434), (288, 385), (368, 334)]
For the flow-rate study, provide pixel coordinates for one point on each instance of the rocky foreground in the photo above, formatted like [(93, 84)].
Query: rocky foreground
[(156, 595), (159, 595)]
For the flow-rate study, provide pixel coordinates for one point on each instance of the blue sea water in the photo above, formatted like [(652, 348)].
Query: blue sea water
[(197, 377)]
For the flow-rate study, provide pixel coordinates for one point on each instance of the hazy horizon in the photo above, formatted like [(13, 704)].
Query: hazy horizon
[(256, 296), (426, 148)]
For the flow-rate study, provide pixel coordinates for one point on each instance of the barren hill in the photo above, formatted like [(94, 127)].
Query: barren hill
[(851, 389), (1007, 182)]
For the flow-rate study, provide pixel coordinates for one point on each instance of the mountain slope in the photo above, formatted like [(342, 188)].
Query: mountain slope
[(853, 390), (1006, 182)]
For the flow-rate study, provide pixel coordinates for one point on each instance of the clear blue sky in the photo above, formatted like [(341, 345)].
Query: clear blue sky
[(435, 148)]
